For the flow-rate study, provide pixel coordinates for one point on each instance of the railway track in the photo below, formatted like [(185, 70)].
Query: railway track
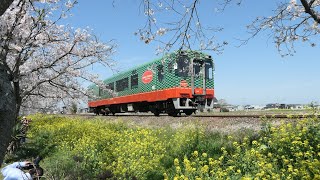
[(299, 116), (281, 116)]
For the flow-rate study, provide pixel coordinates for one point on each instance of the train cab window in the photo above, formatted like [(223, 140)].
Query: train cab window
[(183, 66), (160, 73), (171, 66), (209, 70), (122, 84), (134, 81), (110, 86), (197, 68)]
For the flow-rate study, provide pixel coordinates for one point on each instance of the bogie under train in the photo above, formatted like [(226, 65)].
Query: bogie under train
[(180, 82)]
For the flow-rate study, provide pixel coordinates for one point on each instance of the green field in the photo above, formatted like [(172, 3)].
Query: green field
[(77, 148)]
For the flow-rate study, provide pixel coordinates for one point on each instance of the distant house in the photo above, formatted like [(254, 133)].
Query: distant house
[(247, 107), (295, 106), (272, 106), (283, 106)]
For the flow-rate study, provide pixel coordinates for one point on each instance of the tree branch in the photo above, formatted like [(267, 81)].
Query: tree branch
[(308, 9)]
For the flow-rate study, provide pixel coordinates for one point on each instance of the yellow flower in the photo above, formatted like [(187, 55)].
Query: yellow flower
[(204, 155), (254, 142), (235, 144), (205, 169), (165, 176), (221, 158), (176, 162), (269, 165), (246, 178), (194, 169), (178, 169), (195, 153)]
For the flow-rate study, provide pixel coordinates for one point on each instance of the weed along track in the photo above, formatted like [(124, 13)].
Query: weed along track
[(220, 122), (211, 122)]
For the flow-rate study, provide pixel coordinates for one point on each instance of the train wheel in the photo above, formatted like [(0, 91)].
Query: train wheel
[(173, 113), (96, 112), (171, 110), (188, 112), (156, 113)]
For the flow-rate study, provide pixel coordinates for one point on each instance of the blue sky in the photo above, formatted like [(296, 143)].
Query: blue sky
[(251, 74)]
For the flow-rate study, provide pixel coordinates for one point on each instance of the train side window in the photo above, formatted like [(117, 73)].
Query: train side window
[(110, 86), (122, 84), (160, 73), (109, 89), (100, 91), (134, 81), (183, 66)]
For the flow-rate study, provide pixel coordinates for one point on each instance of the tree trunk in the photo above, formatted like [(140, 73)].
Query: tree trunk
[(4, 5), (8, 111)]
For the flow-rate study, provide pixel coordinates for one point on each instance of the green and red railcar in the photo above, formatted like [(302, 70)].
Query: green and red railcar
[(180, 82)]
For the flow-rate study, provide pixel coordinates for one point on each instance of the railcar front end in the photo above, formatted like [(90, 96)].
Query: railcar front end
[(195, 73)]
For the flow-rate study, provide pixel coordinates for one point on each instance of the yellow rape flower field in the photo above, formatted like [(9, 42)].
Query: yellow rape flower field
[(78, 148)]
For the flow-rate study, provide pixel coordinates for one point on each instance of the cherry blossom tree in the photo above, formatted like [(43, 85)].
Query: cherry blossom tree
[(290, 22), (184, 30), (293, 21), (42, 61)]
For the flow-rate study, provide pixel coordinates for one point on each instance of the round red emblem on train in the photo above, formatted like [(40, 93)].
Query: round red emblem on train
[(147, 77)]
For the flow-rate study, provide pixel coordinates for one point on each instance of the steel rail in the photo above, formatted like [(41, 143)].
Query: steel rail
[(298, 116), (268, 116)]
